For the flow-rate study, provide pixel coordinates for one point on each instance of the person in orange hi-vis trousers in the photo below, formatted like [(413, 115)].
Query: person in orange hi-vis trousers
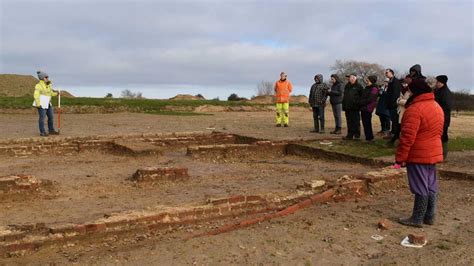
[(283, 90)]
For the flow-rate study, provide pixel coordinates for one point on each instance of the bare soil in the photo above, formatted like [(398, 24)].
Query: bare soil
[(328, 234), (257, 124), (88, 185)]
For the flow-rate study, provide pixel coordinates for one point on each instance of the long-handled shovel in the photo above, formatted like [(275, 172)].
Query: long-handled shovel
[(59, 111)]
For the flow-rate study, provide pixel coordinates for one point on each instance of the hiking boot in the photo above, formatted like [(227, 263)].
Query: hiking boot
[(348, 138), (278, 125), (286, 125), (430, 210), (44, 134), (336, 131), (53, 132), (419, 210)]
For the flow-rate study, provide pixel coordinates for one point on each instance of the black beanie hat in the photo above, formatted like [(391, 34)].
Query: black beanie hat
[(419, 86), (442, 78), (373, 79)]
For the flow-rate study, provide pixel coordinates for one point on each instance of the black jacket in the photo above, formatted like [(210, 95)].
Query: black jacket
[(337, 93), (393, 93), (352, 96), (444, 98)]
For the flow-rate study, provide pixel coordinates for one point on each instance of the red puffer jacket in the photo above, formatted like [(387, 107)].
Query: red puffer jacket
[(421, 130)]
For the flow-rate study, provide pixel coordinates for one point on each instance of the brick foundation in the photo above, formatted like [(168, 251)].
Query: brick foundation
[(152, 174), (70, 145), (30, 237), (20, 184)]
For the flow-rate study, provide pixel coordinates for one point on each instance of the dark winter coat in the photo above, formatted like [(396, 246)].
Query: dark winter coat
[(337, 93), (381, 109), (393, 92), (444, 98), (368, 98), (352, 96)]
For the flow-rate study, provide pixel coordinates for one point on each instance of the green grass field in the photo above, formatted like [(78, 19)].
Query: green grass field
[(378, 148), (151, 106)]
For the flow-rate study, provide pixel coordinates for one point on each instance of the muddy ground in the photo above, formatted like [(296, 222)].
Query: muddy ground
[(89, 184), (257, 124), (328, 234)]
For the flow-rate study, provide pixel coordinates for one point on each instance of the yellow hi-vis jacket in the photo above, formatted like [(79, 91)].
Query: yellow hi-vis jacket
[(42, 88)]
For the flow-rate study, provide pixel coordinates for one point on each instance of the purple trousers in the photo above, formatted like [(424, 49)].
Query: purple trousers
[(422, 179)]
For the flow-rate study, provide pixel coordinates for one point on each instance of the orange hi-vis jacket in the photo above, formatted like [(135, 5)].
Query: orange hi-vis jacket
[(282, 91)]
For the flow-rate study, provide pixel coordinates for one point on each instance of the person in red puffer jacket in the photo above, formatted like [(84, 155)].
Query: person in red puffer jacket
[(420, 149)]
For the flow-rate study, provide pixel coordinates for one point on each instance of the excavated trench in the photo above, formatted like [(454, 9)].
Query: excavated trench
[(111, 184)]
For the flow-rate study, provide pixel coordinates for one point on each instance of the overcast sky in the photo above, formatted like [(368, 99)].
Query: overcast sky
[(163, 48)]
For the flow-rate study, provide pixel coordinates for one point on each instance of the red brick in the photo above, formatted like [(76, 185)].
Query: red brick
[(119, 223), (152, 218), (417, 239), (236, 199), (80, 229), (305, 203), (255, 198), (385, 224), (21, 246), (91, 228), (289, 210), (326, 196), (218, 201)]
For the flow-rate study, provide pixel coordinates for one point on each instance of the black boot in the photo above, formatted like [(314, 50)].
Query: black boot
[(419, 211), (336, 131), (445, 150), (430, 210)]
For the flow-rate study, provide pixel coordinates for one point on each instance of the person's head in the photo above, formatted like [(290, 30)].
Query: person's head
[(371, 80), (441, 81), (334, 78), (389, 73), (318, 78), (283, 76), (415, 71), (419, 86), (42, 75), (352, 78), (408, 79)]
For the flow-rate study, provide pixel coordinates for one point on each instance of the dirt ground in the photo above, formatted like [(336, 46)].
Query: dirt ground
[(328, 234), (89, 184), (257, 124)]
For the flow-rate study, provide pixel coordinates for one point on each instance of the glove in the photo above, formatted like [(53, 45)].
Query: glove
[(396, 166)]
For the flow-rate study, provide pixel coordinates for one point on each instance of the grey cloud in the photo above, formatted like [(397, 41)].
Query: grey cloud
[(216, 43)]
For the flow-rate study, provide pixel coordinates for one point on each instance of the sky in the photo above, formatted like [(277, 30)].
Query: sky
[(215, 48)]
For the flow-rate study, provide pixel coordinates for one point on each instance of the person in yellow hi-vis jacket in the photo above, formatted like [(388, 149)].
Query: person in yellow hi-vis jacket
[(283, 90), (44, 88)]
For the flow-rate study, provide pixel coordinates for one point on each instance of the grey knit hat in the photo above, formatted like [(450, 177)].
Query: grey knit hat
[(41, 74)]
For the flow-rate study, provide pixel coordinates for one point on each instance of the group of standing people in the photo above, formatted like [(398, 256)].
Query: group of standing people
[(409, 110), (359, 103), (356, 101)]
